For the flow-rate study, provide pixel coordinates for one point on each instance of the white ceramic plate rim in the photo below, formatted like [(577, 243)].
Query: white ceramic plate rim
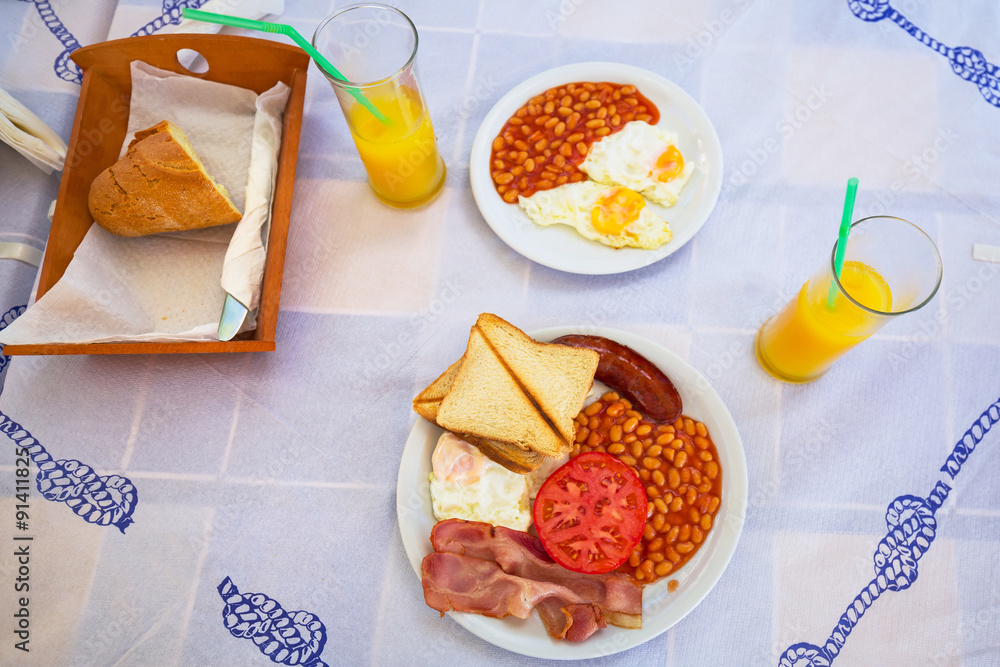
[(561, 247), (661, 610)]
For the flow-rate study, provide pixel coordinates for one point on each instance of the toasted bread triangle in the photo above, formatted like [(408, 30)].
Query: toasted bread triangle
[(486, 400), (556, 378), (511, 396), (512, 457), (428, 401)]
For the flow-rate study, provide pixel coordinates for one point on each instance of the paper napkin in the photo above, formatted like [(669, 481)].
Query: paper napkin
[(29, 136)]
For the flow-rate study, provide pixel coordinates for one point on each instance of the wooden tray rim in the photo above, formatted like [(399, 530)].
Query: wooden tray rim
[(263, 339)]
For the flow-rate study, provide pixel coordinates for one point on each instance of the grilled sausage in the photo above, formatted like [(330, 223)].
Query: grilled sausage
[(631, 375)]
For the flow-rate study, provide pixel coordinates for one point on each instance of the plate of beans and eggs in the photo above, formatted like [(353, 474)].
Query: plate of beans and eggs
[(533, 147)]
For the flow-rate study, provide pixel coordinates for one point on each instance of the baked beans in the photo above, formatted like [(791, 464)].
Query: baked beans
[(543, 143), (679, 466)]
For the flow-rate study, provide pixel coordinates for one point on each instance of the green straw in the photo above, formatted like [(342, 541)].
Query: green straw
[(845, 229), (288, 31)]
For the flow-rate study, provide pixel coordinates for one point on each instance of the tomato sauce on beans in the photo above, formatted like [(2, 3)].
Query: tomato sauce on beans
[(542, 145), (679, 466)]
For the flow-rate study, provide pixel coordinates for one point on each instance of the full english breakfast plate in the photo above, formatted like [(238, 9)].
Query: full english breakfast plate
[(658, 110), (667, 599)]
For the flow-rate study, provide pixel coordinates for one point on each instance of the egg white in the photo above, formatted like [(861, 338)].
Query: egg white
[(628, 158), (489, 493), (571, 204)]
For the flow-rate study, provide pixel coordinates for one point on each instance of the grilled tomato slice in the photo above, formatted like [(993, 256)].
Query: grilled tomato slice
[(590, 513)]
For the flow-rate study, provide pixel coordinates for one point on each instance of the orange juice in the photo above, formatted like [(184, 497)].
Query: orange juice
[(401, 157), (815, 329)]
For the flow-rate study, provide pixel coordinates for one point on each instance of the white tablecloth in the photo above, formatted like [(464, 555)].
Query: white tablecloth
[(278, 470)]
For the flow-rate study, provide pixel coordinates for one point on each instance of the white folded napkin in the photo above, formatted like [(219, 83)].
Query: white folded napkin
[(243, 269), (29, 136)]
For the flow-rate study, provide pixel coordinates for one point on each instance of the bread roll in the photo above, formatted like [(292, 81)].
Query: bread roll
[(160, 185)]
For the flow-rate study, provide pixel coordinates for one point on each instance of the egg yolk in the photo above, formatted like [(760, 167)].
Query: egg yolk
[(615, 210), (669, 165)]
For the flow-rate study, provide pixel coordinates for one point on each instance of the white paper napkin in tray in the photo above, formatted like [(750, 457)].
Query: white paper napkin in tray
[(171, 287), (244, 265)]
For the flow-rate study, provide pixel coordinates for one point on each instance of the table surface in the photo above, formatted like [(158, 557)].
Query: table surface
[(278, 470)]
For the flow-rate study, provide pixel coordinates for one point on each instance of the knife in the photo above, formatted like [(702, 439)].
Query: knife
[(233, 315)]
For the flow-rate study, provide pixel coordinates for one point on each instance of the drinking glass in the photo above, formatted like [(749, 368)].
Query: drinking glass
[(375, 47), (891, 267)]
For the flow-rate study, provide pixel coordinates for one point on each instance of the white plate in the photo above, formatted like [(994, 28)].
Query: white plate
[(561, 247), (660, 609)]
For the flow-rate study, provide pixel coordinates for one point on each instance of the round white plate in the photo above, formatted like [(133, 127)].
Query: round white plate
[(561, 247), (660, 609)]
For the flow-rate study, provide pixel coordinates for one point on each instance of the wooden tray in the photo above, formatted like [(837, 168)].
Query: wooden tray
[(99, 131)]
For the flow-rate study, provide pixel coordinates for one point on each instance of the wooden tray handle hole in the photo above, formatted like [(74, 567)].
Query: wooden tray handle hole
[(192, 61)]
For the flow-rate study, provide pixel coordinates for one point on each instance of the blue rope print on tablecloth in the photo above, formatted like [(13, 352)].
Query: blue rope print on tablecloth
[(6, 319), (286, 637), (171, 15), (105, 501), (967, 62), (68, 70), (911, 529)]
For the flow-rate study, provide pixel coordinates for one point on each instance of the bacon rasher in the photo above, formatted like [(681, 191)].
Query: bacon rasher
[(497, 571)]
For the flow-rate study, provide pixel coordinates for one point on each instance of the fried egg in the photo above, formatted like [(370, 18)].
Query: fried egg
[(642, 157), (467, 485), (615, 216)]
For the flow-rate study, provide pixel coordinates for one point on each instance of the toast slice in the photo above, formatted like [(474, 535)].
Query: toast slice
[(557, 378), (511, 396), (486, 400), (512, 457), (428, 401)]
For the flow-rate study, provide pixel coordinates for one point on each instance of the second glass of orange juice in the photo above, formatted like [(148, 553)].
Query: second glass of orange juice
[(890, 267), (375, 47)]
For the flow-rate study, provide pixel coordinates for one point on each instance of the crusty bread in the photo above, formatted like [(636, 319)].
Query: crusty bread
[(159, 185), (556, 378)]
